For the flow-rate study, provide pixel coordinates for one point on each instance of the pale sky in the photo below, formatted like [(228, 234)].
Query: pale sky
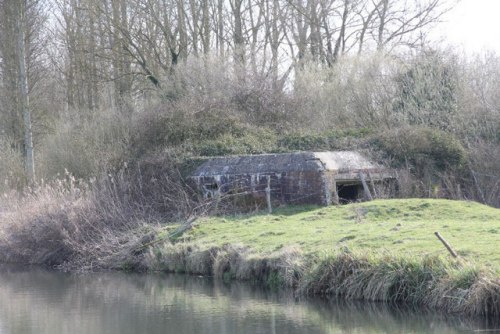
[(473, 25)]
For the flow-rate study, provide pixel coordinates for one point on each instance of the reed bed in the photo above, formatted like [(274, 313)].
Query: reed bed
[(433, 282)]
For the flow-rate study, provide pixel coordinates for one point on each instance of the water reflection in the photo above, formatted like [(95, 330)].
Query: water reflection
[(39, 301)]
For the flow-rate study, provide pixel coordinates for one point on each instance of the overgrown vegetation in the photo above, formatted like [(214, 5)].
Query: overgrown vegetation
[(101, 223), (350, 252), (124, 97), (108, 181), (346, 251), (376, 103)]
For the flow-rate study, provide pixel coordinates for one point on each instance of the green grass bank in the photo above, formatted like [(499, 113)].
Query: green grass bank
[(383, 250)]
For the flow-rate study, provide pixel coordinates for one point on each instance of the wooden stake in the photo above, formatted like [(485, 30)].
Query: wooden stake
[(373, 185), (446, 244), (365, 186), (268, 194)]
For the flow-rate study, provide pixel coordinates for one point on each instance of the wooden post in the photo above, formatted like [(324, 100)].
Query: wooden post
[(446, 244), (217, 201), (365, 186), (268, 194), (373, 185)]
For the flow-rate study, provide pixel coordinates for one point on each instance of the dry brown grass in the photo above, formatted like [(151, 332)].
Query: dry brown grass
[(451, 287), (282, 268), (85, 225), (430, 282)]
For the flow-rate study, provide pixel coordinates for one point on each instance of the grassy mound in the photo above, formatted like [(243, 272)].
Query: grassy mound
[(404, 227), (379, 251)]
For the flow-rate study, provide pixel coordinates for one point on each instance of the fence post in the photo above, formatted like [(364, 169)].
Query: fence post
[(446, 244), (268, 194), (365, 186)]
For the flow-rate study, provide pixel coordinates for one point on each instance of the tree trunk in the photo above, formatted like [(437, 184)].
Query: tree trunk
[(29, 163), (239, 48), (220, 28)]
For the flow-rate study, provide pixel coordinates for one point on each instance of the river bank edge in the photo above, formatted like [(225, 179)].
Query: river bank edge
[(293, 247), (433, 282)]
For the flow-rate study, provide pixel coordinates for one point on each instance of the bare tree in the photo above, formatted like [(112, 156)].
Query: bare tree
[(29, 162), (400, 22), (112, 49), (239, 43), (19, 54)]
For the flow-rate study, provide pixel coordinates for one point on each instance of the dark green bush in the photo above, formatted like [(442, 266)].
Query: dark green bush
[(327, 141), (166, 128), (422, 148), (253, 141), (428, 90), (306, 142), (179, 128)]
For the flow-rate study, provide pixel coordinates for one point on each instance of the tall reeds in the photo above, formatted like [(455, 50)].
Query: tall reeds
[(102, 223), (431, 282)]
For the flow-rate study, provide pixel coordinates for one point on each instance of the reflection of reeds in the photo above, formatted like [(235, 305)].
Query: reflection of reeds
[(97, 301), (282, 268), (431, 282), (451, 287)]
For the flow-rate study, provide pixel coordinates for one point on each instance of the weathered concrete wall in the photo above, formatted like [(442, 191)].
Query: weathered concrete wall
[(303, 187), (296, 178), (296, 187)]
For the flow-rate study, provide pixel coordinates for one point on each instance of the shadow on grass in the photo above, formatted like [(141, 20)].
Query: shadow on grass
[(285, 210)]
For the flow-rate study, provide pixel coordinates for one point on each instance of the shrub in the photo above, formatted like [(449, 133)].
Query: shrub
[(84, 146), (354, 92), (305, 142), (99, 224), (253, 141), (424, 150), (484, 168), (427, 90), (12, 174), (209, 93), (171, 125), (326, 141)]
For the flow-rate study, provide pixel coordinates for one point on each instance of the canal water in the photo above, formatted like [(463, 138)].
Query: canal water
[(34, 300)]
